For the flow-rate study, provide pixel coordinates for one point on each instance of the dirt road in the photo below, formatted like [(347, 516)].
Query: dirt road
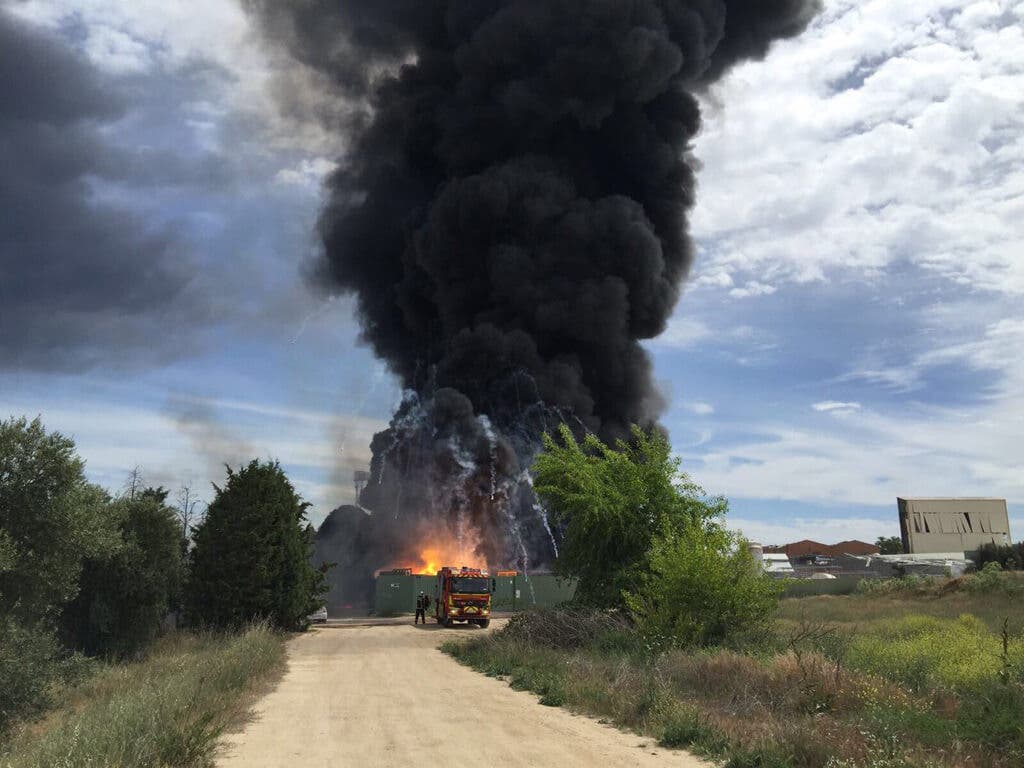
[(385, 696)]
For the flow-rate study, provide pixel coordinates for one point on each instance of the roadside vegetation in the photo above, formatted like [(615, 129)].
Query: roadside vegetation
[(686, 643), (167, 710), (131, 631)]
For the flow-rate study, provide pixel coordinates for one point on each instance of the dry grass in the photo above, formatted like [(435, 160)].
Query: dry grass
[(167, 710), (861, 685)]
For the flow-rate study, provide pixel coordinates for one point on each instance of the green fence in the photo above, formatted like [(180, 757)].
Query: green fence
[(842, 585), (396, 593)]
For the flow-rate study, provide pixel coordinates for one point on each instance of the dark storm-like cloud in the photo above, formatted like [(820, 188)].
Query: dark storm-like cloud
[(83, 280)]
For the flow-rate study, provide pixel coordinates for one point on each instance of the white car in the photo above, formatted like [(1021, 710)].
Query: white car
[(318, 616)]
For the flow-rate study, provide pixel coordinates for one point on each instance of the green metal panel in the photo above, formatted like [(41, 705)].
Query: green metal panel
[(396, 593), (542, 590), (843, 585), (504, 596)]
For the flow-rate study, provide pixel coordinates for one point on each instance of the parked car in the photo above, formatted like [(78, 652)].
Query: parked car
[(318, 616)]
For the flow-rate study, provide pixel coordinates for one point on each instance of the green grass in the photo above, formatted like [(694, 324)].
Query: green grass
[(941, 598), (168, 710), (912, 675)]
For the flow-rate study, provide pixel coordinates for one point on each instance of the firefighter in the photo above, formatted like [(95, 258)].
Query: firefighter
[(422, 603)]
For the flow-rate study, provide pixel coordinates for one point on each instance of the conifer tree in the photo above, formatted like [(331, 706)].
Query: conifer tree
[(251, 558)]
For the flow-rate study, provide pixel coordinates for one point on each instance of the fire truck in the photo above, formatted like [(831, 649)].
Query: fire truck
[(462, 594)]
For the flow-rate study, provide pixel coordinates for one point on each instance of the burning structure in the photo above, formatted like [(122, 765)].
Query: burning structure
[(510, 216)]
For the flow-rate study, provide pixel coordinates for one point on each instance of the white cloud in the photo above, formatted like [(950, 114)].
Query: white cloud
[(910, 449), (700, 408), (889, 133), (190, 440), (310, 172), (833, 406), (752, 288), (827, 530), (682, 333)]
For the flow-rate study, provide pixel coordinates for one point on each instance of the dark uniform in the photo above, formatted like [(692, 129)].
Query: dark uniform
[(422, 603)]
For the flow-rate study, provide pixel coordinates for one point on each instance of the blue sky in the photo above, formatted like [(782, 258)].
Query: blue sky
[(853, 328)]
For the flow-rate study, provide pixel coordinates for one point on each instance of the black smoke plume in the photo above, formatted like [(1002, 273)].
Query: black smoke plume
[(510, 215)]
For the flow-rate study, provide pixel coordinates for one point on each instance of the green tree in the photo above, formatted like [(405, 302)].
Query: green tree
[(51, 519), (124, 597), (612, 503), (251, 553), (890, 545)]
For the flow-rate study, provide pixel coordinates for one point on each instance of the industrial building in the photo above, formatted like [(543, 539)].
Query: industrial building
[(950, 525)]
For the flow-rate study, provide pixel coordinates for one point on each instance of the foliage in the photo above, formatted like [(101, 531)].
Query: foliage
[(704, 588), (167, 710), (930, 653), (612, 503), (563, 626), (124, 597), (51, 519), (850, 682), (904, 584), (1010, 557), (889, 545), (251, 557), (28, 669)]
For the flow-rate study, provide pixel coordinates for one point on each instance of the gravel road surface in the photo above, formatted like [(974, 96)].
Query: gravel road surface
[(385, 696)]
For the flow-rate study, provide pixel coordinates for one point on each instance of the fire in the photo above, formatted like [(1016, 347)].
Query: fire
[(434, 555)]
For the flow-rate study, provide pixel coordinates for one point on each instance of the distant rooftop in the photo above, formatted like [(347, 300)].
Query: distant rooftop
[(950, 498)]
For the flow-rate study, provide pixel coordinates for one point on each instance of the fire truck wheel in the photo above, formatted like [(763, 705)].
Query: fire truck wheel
[(485, 623)]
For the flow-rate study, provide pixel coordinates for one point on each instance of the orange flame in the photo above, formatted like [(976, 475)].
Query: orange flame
[(434, 555)]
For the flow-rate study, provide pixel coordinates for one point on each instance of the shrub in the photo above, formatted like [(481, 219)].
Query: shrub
[(1010, 557), (704, 588), (926, 652), (563, 627), (686, 728), (28, 669)]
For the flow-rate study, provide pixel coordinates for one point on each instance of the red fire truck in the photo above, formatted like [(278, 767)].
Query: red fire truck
[(462, 594)]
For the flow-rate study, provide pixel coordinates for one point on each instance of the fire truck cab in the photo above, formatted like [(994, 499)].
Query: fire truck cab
[(462, 594)]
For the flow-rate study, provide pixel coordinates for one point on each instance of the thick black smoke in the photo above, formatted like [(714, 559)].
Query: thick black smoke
[(511, 218)]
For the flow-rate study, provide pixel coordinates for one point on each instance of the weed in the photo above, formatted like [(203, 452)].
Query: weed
[(686, 728)]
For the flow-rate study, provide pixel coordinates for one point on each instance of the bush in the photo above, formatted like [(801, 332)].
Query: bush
[(686, 728), (29, 668), (931, 653), (124, 598), (1010, 557), (704, 588), (563, 627), (252, 553)]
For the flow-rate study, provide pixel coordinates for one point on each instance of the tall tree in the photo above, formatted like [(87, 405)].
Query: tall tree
[(251, 554), (124, 597), (611, 503), (51, 519)]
